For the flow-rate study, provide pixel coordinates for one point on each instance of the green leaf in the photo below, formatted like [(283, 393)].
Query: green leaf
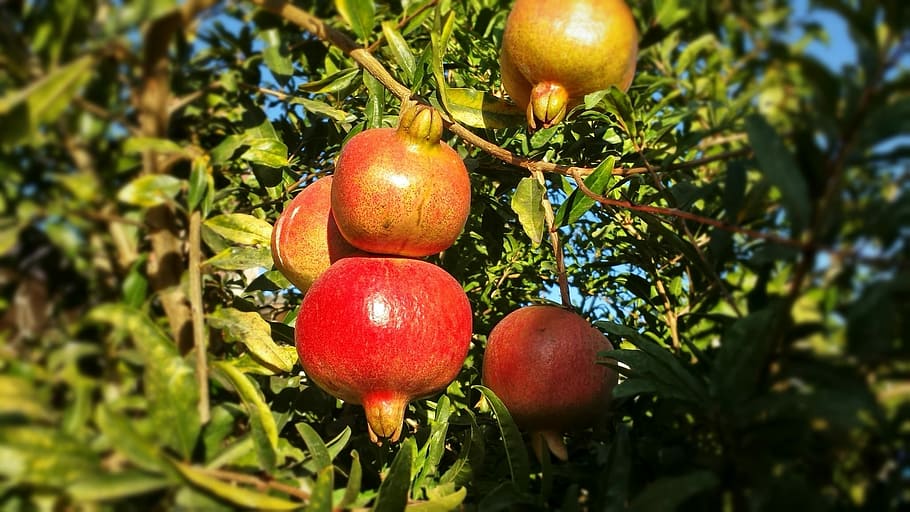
[(201, 182), (274, 53), (441, 503), (242, 258), (439, 39), (331, 83), (394, 489), (238, 495), (527, 202), (44, 100), (321, 496), (743, 356), (262, 423), (617, 102), (359, 14), (779, 165), (318, 451), (435, 446), (401, 52), (170, 382), (18, 397), (599, 181), (376, 102), (355, 477), (161, 146), (241, 228), (480, 109), (123, 436), (150, 190), (249, 328), (516, 453), (119, 486), (668, 493), (43, 457), (617, 473), (266, 151), (323, 109)]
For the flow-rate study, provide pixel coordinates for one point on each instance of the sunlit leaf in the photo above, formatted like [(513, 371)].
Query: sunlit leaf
[(527, 202), (394, 489), (480, 109), (241, 228), (578, 202), (399, 49), (249, 328), (241, 496), (274, 54), (262, 423), (359, 14), (516, 453), (150, 190), (109, 487)]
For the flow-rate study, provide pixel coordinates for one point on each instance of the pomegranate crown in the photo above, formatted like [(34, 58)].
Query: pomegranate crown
[(421, 124)]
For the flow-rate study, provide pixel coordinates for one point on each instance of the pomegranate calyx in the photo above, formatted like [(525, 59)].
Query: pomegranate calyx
[(385, 415), (548, 105), (420, 124), (551, 441)]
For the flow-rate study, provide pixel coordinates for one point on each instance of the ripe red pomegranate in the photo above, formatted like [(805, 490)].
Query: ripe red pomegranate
[(401, 191), (541, 362), (381, 332), (305, 239), (556, 51)]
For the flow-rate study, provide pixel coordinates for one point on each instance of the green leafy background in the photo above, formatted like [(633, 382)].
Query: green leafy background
[(741, 237)]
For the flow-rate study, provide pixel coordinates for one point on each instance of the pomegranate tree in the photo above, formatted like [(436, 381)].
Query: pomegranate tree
[(556, 51), (401, 191), (381, 332), (541, 361), (305, 238)]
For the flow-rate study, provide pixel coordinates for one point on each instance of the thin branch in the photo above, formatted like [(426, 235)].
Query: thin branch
[(260, 484), (674, 212), (197, 312), (553, 232)]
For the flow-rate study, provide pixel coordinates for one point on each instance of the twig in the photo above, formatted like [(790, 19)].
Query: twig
[(550, 220), (197, 312), (674, 212), (259, 483)]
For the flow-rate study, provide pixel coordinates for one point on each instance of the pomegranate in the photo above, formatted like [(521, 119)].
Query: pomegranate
[(381, 332), (556, 51), (305, 239), (401, 191), (541, 362)]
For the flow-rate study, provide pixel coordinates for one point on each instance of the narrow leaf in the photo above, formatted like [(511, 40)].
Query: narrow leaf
[(355, 477), (481, 109), (262, 423), (440, 504), (393, 491), (241, 228), (439, 39), (150, 190), (527, 202), (321, 497), (122, 435), (241, 258), (779, 165), (143, 144), (315, 445), (578, 202), (274, 54), (359, 14), (321, 108), (237, 495), (249, 328), (119, 486), (516, 454), (401, 52), (266, 151)]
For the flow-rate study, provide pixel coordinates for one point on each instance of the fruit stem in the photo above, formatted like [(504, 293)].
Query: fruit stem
[(385, 415), (421, 124), (548, 105)]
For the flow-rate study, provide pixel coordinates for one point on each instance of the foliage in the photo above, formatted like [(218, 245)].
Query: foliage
[(741, 237)]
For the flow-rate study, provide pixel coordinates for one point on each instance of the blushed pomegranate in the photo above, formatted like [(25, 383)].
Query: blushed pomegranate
[(381, 332), (401, 191), (556, 51), (305, 238), (541, 361)]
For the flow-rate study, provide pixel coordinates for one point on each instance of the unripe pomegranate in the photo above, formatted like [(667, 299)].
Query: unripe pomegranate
[(401, 191), (556, 51), (305, 239), (541, 361), (381, 332)]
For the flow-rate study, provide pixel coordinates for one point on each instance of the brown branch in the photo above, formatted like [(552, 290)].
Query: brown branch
[(550, 220), (198, 315), (258, 483), (674, 212)]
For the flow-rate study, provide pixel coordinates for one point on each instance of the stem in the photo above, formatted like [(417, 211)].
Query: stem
[(260, 484), (197, 312), (550, 220)]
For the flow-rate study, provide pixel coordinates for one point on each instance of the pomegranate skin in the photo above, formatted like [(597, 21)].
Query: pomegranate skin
[(581, 46), (394, 194), (305, 238), (381, 332), (541, 362)]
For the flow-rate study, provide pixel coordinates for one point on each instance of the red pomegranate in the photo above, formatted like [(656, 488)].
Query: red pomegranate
[(541, 361), (381, 332), (305, 239), (401, 191), (556, 51)]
